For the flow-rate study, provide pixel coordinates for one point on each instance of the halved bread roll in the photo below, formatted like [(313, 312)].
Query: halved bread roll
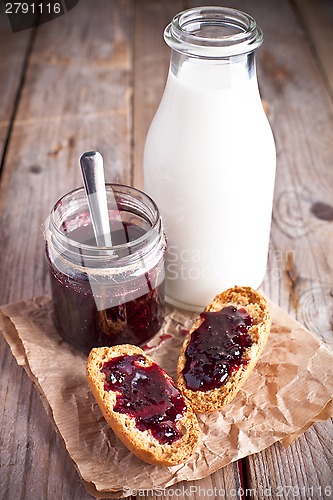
[(142, 405), (222, 348)]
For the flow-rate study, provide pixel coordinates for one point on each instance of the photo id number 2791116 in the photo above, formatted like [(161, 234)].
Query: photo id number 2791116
[(32, 8)]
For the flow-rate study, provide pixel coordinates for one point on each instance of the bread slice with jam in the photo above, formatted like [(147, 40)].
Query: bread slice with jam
[(222, 348), (142, 405)]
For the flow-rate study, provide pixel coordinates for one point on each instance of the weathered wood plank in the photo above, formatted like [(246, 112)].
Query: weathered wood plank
[(222, 484), (13, 53), (300, 111), (317, 16), (33, 461), (300, 268), (76, 97), (302, 471), (151, 63)]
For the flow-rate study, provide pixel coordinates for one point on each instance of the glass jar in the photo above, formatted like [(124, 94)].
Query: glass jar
[(103, 296), (209, 158)]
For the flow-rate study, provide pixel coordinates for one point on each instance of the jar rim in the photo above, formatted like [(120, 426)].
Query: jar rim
[(238, 32), (107, 249)]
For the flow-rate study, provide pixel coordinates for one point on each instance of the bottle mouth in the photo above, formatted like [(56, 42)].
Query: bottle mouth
[(213, 32), (130, 201), (134, 207)]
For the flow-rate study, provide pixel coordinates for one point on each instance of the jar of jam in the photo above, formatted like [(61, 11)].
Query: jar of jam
[(103, 296)]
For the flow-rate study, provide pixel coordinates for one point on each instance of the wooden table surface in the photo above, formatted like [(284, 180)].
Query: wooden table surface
[(92, 79)]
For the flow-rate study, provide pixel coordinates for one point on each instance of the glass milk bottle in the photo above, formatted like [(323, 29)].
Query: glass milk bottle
[(209, 159)]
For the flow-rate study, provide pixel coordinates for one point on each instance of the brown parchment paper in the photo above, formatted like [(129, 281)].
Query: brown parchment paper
[(290, 388)]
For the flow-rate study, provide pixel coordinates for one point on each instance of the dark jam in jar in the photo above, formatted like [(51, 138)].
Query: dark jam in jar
[(76, 316), (147, 394), (217, 348)]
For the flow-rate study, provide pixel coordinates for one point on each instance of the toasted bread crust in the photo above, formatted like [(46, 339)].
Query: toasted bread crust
[(141, 443), (256, 306)]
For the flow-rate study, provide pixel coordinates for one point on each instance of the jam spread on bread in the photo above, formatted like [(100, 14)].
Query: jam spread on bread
[(216, 348), (147, 394)]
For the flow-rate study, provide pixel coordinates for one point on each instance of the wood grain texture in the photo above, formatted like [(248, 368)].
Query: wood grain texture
[(222, 484), (33, 461), (94, 80), (76, 97), (300, 270), (302, 471), (151, 63), (317, 18), (14, 48)]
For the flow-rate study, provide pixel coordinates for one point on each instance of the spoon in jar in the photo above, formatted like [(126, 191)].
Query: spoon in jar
[(94, 182)]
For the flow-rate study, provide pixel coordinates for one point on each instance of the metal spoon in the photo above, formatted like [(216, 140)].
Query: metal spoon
[(94, 183)]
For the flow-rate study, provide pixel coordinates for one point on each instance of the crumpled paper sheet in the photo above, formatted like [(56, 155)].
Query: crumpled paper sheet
[(290, 388)]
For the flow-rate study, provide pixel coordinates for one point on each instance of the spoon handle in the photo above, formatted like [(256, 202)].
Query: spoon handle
[(94, 182)]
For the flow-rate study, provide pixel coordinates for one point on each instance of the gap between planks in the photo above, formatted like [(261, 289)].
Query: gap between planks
[(17, 97), (316, 19)]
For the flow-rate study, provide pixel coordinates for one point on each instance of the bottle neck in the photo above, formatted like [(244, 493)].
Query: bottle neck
[(213, 47), (213, 32), (228, 72)]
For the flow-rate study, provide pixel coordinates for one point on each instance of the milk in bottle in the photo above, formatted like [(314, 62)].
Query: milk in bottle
[(209, 159)]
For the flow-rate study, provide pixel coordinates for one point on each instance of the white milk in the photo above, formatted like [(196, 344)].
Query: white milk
[(210, 164)]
